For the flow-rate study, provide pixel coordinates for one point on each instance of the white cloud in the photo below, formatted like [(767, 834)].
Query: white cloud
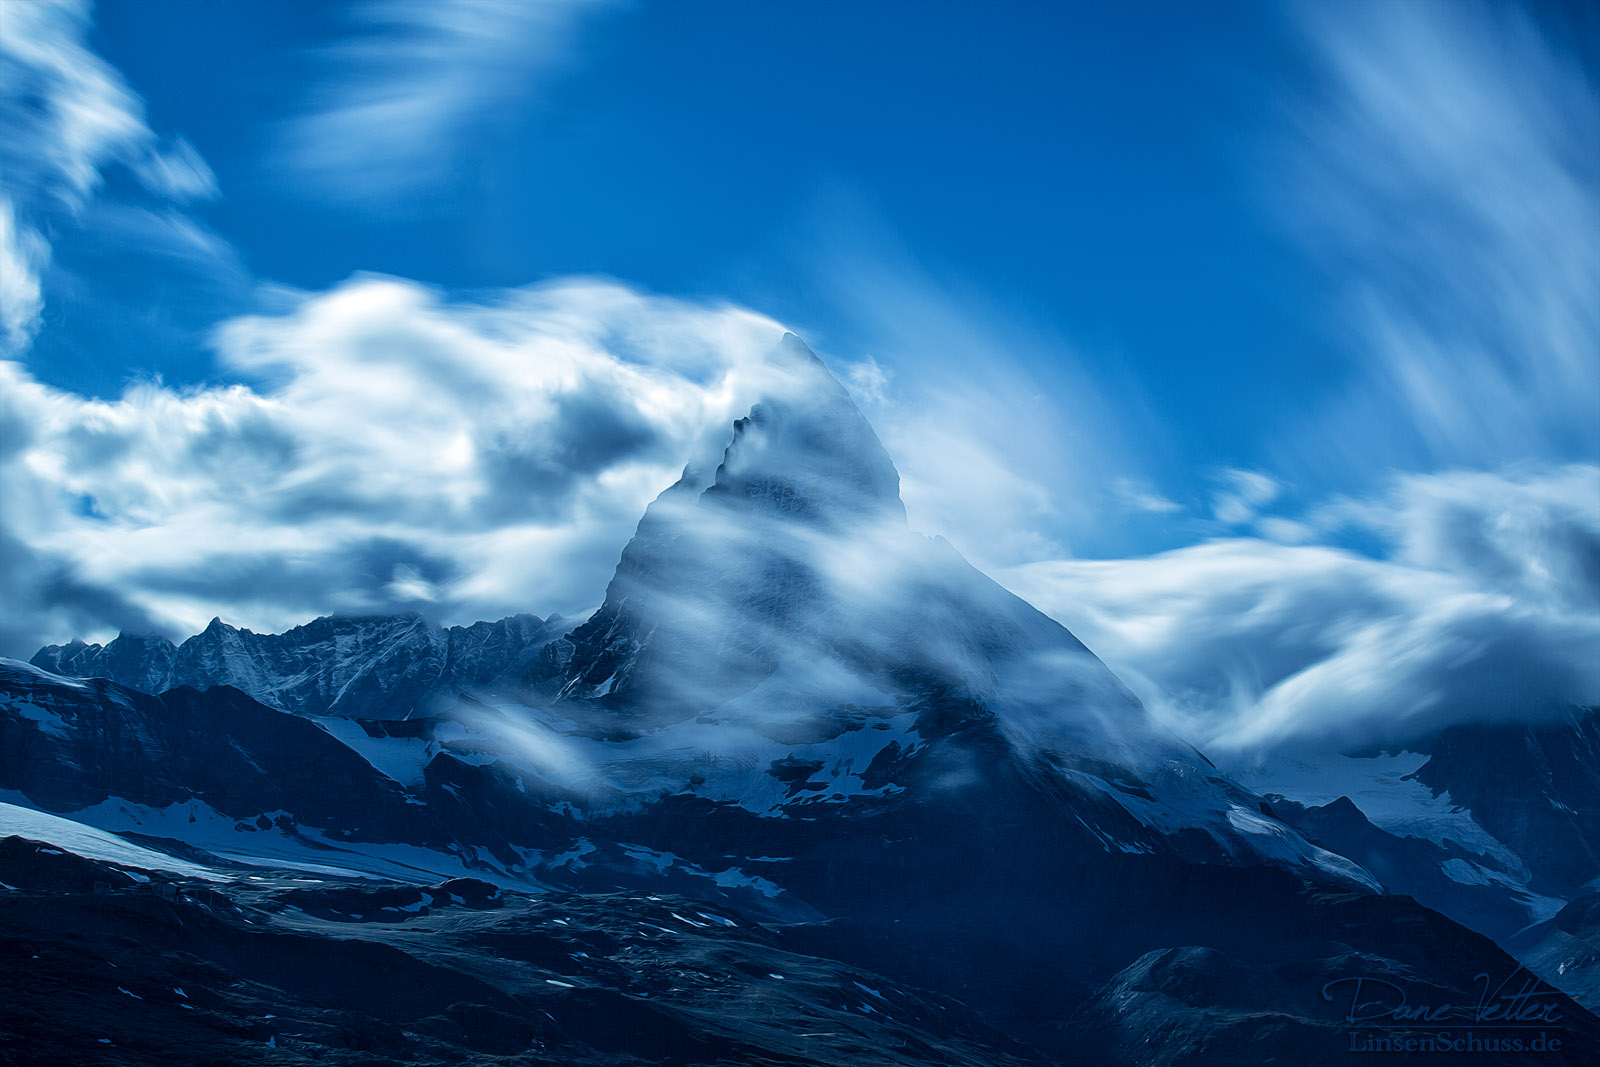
[(1448, 173), (1285, 531), (68, 112), (65, 117), (22, 255), (1532, 535), (1486, 609), (400, 450), (1245, 494), (867, 381), (396, 102), (177, 173), (1139, 496)]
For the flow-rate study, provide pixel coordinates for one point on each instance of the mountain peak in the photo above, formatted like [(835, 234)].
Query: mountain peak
[(797, 563), (805, 450), (717, 584)]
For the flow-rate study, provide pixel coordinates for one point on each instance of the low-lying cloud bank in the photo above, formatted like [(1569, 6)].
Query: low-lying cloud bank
[(1484, 604), (398, 450)]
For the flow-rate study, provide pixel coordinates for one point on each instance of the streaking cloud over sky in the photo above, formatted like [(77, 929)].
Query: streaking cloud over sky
[(396, 104), (1449, 176), (1274, 375)]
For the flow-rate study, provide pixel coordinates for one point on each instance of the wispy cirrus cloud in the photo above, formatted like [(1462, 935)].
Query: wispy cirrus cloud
[(1446, 169), (396, 103), (66, 117), (23, 250), (1011, 439), (1244, 492)]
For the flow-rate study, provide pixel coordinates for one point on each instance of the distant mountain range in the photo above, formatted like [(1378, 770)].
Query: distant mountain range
[(807, 788), (376, 667)]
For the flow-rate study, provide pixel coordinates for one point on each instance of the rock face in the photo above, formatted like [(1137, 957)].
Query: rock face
[(137, 661), (1535, 788), (792, 707), (1496, 825), (1564, 950), (376, 667), (1485, 892), (1521, 829), (69, 745)]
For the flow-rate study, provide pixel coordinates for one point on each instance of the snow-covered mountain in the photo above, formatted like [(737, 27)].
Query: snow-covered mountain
[(785, 612), (377, 667), (793, 707)]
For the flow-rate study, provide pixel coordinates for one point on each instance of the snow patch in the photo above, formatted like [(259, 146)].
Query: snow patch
[(94, 843), (1381, 788)]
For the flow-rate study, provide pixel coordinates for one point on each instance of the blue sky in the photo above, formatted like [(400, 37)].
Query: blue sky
[(1070, 161), (1131, 292)]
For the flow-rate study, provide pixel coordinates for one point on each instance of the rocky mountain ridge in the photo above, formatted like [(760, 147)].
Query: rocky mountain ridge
[(376, 667)]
